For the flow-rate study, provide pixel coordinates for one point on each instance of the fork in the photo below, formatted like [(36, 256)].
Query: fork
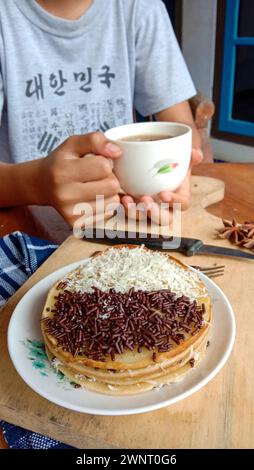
[(212, 271)]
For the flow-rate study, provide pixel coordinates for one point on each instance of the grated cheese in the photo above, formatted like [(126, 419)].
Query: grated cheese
[(125, 268), (111, 387), (196, 356)]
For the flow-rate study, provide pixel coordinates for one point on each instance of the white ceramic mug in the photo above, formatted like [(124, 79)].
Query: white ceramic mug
[(149, 167)]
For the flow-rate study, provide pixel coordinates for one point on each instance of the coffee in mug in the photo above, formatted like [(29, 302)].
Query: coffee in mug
[(145, 137)]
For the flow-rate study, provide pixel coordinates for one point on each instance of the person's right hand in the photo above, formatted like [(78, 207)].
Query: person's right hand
[(68, 177)]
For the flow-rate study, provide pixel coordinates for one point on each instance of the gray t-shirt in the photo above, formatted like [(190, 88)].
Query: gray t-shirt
[(61, 77)]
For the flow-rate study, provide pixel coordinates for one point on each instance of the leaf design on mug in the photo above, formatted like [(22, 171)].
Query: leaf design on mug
[(167, 168)]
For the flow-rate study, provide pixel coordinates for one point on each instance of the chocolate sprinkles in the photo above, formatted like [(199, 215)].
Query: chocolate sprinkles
[(192, 362), (103, 324)]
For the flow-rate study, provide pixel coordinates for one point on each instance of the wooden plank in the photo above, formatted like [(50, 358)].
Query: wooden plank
[(239, 189), (19, 218)]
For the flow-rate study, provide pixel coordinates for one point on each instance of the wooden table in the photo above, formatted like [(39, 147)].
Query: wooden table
[(238, 201), (227, 420)]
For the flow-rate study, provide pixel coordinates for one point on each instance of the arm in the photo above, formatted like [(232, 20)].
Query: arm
[(19, 184), (64, 179)]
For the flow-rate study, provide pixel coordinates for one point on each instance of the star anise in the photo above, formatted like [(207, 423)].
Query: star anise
[(247, 243), (239, 234), (248, 227), (231, 231)]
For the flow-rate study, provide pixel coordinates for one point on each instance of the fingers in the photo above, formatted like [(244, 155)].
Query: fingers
[(92, 168), (95, 142), (78, 192), (107, 187), (97, 165), (160, 216), (126, 199), (156, 212), (176, 198), (146, 207), (89, 213), (181, 196), (196, 156), (147, 201), (133, 210)]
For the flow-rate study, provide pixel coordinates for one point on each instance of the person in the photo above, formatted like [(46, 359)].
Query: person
[(69, 71)]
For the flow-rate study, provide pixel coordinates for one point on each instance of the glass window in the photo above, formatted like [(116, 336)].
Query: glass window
[(235, 112), (246, 18), (243, 100)]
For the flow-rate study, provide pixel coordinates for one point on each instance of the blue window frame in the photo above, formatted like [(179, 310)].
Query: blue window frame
[(232, 45)]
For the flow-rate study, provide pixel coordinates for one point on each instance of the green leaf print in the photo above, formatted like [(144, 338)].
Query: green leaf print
[(165, 169)]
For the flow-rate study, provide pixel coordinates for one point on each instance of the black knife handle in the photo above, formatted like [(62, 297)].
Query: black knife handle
[(190, 246), (187, 246)]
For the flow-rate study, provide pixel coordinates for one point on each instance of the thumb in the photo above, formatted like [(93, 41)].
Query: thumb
[(95, 143)]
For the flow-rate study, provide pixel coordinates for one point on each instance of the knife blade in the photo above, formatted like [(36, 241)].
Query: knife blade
[(187, 246), (223, 251)]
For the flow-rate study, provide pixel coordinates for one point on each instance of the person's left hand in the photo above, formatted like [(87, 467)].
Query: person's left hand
[(152, 205)]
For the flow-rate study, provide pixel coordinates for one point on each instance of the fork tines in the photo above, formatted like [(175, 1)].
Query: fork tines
[(211, 271)]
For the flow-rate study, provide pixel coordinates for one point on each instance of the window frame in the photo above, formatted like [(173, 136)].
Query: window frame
[(225, 126)]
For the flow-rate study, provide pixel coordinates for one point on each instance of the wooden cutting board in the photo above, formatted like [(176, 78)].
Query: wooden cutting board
[(221, 415)]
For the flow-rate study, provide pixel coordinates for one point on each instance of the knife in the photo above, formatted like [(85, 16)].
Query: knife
[(187, 246)]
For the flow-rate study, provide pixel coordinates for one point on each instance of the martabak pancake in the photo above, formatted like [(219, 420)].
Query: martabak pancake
[(129, 314)]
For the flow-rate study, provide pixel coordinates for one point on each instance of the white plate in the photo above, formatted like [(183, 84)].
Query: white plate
[(29, 361)]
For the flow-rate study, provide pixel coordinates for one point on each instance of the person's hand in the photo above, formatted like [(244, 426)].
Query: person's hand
[(68, 177), (160, 215)]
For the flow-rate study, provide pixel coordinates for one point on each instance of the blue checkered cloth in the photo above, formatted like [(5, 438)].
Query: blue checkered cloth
[(20, 256)]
